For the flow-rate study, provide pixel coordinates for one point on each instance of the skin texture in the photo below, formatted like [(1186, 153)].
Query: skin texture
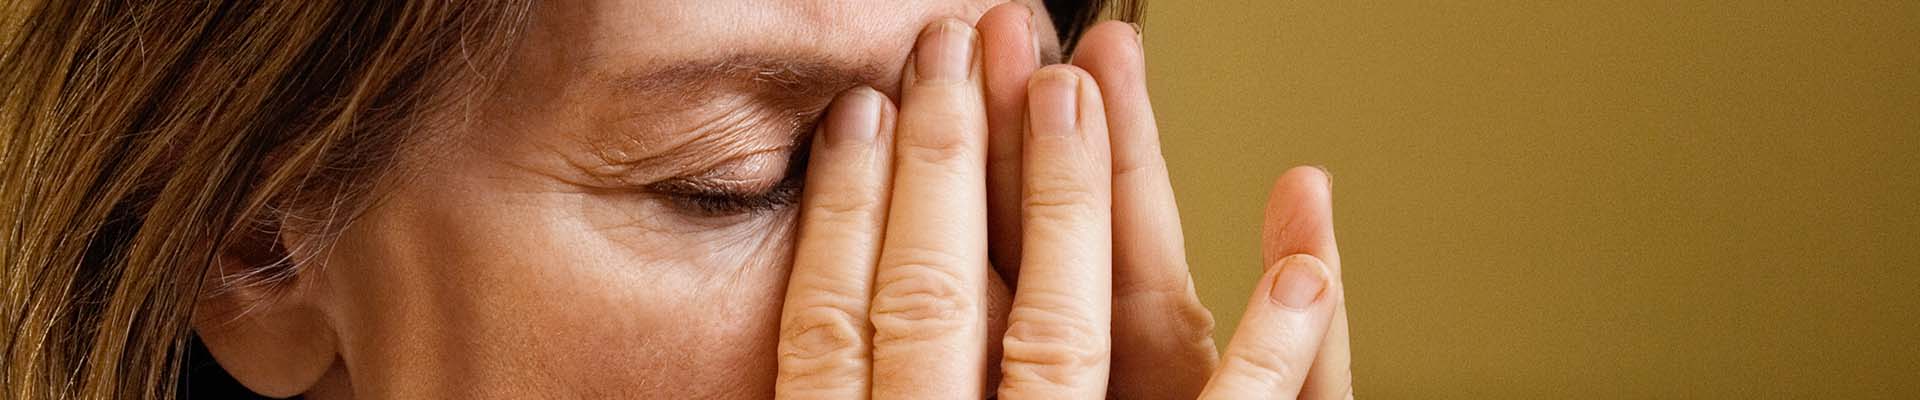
[(1088, 162), (528, 255), (547, 245)]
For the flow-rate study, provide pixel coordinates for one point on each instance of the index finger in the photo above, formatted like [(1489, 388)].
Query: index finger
[(1304, 212)]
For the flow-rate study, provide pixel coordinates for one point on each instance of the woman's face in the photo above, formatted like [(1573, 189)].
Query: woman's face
[(615, 220)]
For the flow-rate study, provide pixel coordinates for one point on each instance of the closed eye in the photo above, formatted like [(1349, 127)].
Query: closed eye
[(714, 194)]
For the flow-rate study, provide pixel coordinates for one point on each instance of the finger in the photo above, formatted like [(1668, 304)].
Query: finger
[(928, 314), (1279, 334), (1332, 373), (1166, 332), (1273, 353), (1057, 346), (1010, 50), (823, 350), (1300, 221)]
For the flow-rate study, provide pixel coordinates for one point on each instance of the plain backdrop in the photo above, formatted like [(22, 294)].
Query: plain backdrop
[(1629, 199)]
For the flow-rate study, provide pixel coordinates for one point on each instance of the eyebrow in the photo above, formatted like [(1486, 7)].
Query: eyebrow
[(789, 91), (786, 77)]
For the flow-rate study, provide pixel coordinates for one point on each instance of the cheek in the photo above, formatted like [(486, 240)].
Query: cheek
[(509, 296), (688, 307)]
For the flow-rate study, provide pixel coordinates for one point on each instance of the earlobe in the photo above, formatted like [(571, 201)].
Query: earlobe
[(273, 339)]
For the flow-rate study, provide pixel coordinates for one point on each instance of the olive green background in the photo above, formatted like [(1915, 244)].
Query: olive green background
[(1639, 199)]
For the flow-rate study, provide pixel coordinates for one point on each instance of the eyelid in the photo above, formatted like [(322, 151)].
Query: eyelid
[(722, 192), (747, 159), (748, 169), (688, 197)]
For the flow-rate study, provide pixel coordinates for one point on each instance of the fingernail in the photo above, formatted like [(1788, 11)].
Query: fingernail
[(945, 52), (854, 118), (1053, 104), (1300, 281), (1327, 173)]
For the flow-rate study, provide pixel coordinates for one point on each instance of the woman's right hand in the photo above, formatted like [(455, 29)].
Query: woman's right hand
[(892, 294)]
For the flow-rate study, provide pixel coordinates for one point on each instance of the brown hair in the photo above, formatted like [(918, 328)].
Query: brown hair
[(143, 140)]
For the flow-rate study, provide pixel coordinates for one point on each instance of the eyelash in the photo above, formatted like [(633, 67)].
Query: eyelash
[(709, 200), (713, 198)]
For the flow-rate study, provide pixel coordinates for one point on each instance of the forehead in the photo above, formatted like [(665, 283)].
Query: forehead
[(641, 79), (601, 34)]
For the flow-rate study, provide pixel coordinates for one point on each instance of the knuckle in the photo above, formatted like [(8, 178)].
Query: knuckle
[(1060, 199), (917, 295), (817, 375), (936, 144), (920, 299), (822, 332), (1052, 340), (944, 128), (1196, 316)]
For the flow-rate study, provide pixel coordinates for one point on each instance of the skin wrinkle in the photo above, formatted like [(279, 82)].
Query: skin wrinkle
[(547, 211), (774, 240), (787, 90), (632, 160), (744, 94), (793, 76), (654, 224), (499, 270)]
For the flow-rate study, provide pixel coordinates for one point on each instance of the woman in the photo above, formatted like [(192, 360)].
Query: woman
[(717, 199)]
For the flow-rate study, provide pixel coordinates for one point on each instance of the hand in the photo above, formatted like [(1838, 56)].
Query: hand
[(1162, 349), (918, 328)]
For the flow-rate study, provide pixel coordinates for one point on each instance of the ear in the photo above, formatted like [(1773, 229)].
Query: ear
[(274, 338)]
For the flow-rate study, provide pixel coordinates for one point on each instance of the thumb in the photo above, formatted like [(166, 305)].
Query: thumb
[(1279, 335)]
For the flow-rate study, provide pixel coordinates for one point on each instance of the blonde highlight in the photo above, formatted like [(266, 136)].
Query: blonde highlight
[(144, 140)]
